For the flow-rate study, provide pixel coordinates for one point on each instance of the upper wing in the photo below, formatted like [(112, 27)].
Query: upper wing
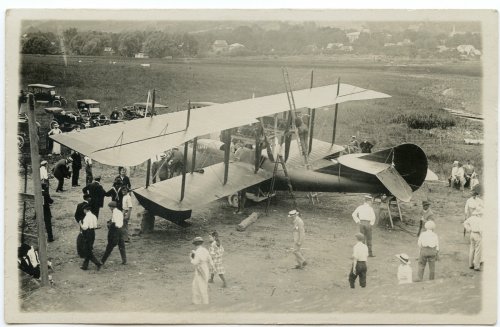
[(201, 188), (132, 142)]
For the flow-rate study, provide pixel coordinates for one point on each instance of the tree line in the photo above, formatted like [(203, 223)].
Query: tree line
[(285, 39)]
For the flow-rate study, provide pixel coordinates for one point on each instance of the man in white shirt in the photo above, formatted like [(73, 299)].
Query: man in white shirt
[(127, 211), (473, 203), (298, 238), (44, 175), (473, 224), (115, 234), (428, 243), (364, 216), (359, 257), (88, 226)]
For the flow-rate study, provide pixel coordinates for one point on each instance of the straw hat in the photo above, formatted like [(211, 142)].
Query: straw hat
[(197, 239), (293, 213), (43, 163), (404, 258)]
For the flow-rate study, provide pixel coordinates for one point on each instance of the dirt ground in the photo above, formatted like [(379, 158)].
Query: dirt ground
[(259, 263)]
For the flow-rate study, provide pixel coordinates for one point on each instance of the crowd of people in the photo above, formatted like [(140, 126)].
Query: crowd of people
[(208, 262)]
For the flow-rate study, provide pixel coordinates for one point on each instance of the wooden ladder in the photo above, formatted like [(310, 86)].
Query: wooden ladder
[(293, 113)]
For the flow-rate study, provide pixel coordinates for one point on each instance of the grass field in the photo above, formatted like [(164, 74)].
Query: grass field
[(414, 87)]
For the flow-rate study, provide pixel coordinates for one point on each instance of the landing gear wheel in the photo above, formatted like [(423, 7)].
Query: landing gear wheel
[(233, 200), (20, 142)]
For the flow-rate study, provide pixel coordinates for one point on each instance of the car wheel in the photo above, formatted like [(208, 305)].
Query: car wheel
[(20, 142), (56, 103), (233, 200)]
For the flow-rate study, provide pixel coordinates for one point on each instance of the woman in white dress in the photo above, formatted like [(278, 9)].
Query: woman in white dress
[(56, 147), (201, 259)]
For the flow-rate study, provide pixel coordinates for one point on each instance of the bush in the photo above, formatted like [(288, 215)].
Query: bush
[(424, 121)]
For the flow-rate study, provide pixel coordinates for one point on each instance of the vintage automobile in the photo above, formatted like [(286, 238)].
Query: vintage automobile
[(137, 110), (67, 120), (47, 94), (90, 111), (23, 130)]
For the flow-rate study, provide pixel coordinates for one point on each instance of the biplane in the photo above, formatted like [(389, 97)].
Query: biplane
[(210, 172)]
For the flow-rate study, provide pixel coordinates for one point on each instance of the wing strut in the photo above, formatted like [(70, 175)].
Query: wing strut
[(312, 115), (184, 168), (227, 147), (193, 160), (336, 110)]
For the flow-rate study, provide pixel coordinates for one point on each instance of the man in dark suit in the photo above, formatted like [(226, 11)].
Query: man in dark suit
[(79, 213), (61, 171), (47, 214), (76, 165), (124, 180), (96, 192)]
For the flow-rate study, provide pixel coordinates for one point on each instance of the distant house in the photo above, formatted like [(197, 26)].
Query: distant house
[(236, 46), (347, 48), (468, 49), (220, 46), (141, 55), (109, 51), (334, 46), (353, 36), (442, 48), (311, 48)]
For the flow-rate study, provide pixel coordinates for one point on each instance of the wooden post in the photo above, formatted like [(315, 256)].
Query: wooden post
[(148, 172), (37, 186), (399, 210), (389, 211), (147, 221), (336, 111)]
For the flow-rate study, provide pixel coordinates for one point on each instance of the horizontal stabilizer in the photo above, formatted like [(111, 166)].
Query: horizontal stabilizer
[(320, 149), (393, 181), (202, 188)]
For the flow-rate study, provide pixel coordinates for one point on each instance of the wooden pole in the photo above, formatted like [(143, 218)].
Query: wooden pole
[(148, 172), (336, 111), (37, 186), (183, 186)]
